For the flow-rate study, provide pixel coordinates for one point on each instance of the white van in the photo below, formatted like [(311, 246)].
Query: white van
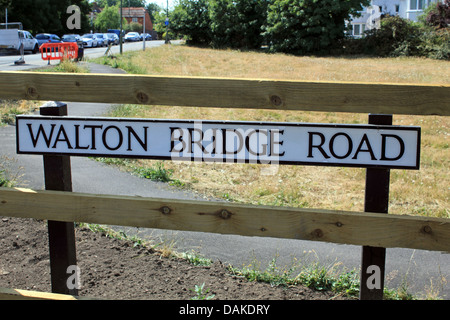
[(14, 39)]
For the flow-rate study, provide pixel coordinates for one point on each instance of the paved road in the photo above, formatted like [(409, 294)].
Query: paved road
[(418, 269), (35, 60)]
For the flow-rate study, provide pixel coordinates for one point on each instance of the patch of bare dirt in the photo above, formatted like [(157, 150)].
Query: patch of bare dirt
[(114, 269)]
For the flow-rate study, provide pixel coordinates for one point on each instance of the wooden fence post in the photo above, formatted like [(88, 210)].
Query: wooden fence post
[(376, 200), (58, 176)]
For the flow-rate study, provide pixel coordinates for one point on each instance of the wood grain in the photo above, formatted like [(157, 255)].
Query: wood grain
[(357, 228), (385, 98)]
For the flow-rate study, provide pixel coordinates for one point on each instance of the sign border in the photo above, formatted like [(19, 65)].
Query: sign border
[(225, 122)]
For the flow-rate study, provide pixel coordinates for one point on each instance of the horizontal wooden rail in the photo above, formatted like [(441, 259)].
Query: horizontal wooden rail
[(19, 294), (357, 228), (387, 98)]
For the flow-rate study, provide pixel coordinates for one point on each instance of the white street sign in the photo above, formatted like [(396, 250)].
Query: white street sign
[(222, 141)]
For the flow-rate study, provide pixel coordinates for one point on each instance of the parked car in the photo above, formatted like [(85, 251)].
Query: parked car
[(47, 37), (102, 39), (89, 40), (14, 39), (113, 38), (72, 38), (132, 36), (75, 38), (147, 36), (117, 32)]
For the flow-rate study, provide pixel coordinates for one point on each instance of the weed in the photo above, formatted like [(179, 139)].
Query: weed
[(9, 174), (4, 182), (200, 295), (157, 173), (195, 259), (348, 283)]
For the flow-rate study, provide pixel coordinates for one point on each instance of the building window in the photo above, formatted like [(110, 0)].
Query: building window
[(134, 19), (419, 4), (358, 29)]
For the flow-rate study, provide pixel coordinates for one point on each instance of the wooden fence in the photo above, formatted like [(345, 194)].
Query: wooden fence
[(356, 228)]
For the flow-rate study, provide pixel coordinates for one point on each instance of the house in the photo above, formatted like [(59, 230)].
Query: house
[(371, 15), (139, 15)]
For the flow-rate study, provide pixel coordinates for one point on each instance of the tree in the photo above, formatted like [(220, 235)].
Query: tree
[(220, 23), (237, 24), (308, 26), (109, 18), (4, 4), (152, 9), (49, 16), (134, 26), (190, 18)]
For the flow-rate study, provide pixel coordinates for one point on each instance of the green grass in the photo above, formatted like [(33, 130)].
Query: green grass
[(314, 276), (156, 172), (4, 181), (317, 277), (124, 62)]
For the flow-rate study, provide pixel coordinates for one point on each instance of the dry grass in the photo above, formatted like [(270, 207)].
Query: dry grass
[(188, 61), (425, 192), (10, 108)]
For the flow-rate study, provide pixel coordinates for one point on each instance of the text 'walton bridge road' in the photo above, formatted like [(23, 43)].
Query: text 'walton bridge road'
[(222, 141)]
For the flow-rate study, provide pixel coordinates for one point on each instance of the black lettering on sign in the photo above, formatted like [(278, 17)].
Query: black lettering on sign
[(40, 131), (319, 146), (246, 142), (366, 141), (383, 147)]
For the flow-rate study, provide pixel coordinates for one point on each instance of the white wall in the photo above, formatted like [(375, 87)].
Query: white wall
[(371, 15)]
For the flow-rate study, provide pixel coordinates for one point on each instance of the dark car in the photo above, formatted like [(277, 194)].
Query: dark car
[(102, 39), (112, 38), (47, 37), (72, 38), (147, 36), (75, 38)]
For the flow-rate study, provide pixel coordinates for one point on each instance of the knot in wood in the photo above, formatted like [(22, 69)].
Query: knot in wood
[(427, 229), (142, 97), (31, 92), (225, 214), (317, 233), (276, 100), (165, 210)]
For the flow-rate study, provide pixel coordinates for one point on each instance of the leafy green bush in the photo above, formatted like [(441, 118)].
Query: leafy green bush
[(308, 26), (396, 36), (439, 15), (401, 37), (436, 44)]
